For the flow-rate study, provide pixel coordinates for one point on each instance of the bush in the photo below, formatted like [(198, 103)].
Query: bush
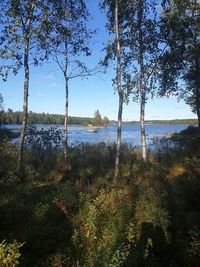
[(9, 254), (188, 140), (5, 134), (43, 153), (101, 228), (194, 248), (8, 166)]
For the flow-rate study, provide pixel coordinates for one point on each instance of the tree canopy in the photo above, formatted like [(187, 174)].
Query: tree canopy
[(180, 64)]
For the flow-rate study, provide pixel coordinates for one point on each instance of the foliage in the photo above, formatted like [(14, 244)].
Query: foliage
[(43, 152), (149, 210), (14, 117), (73, 215), (194, 250), (141, 33), (69, 37), (5, 134), (89, 162), (179, 73), (188, 140), (77, 218), (133, 41), (116, 50), (30, 213), (9, 254), (105, 121), (8, 158), (98, 121), (100, 235), (15, 31), (97, 118)]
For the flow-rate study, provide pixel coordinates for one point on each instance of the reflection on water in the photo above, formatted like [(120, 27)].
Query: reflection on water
[(130, 133)]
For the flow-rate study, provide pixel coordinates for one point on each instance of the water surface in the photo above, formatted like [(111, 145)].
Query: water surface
[(130, 133)]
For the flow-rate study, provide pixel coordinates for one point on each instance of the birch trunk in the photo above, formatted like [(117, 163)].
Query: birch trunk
[(26, 89), (66, 116), (142, 82), (65, 72), (120, 93), (197, 92), (197, 81), (198, 116), (197, 76), (142, 116), (198, 106)]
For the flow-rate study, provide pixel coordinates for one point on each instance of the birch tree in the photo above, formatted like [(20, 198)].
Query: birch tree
[(22, 23), (68, 45), (119, 89), (142, 38), (1, 102), (1, 109), (114, 50), (142, 79)]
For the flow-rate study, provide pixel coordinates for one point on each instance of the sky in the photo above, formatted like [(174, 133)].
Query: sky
[(47, 92)]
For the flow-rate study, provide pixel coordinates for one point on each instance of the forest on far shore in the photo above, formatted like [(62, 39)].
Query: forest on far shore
[(14, 117)]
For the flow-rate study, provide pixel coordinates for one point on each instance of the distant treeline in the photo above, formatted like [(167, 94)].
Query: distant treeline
[(14, 117), (172, 122), (11, 117)]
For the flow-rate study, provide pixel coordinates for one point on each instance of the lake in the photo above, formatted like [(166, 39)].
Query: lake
[(130, 133)]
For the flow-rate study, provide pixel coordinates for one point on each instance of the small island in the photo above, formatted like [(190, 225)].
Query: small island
[(98, 122)]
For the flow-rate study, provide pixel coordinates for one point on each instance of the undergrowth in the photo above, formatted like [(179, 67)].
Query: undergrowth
[(78, 217)]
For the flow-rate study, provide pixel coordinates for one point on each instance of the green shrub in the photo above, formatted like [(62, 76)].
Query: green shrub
[(188, 140), (194, 249), (9, 254), (8, 160), (5, 134), (101, 228), (43, 153)]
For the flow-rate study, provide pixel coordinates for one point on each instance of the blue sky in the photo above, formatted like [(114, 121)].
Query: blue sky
[(47, 93)]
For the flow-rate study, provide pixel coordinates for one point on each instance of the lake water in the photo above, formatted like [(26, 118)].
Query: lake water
[(130, 133)]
